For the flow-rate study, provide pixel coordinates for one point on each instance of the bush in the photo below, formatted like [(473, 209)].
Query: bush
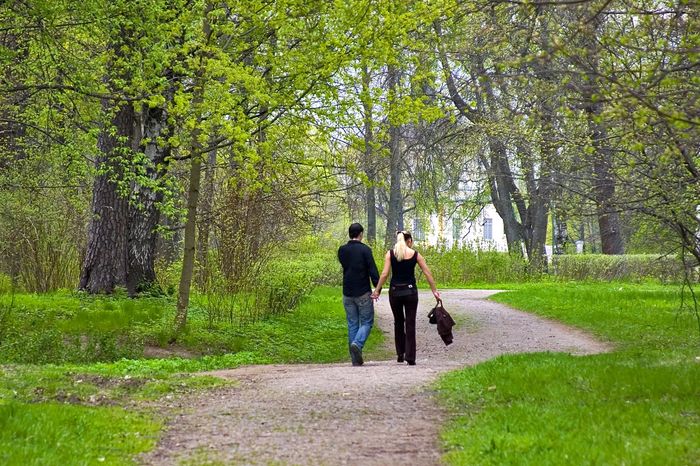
[(628, 267), (5, 283), (459, 266), (168, 276), (41, 239), (60, 328), (464, 266), (288, 276)]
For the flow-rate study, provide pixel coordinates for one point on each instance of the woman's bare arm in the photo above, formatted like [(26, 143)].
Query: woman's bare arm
[(428, 275), (383, 276)]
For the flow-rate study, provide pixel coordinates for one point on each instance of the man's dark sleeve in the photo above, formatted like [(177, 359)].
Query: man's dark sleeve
[(373, 273)]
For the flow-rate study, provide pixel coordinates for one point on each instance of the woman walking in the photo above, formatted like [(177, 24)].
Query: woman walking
[(403, 293)]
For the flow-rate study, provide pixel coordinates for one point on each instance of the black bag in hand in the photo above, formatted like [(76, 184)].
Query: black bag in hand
[(440, 317)]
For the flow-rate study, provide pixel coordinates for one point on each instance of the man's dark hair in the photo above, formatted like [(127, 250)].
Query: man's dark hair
[(355, 230)]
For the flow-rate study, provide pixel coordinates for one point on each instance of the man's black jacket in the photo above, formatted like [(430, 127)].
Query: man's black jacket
[(358, 267)]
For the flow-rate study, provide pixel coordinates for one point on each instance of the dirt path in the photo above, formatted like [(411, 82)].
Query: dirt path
[(379, 414)]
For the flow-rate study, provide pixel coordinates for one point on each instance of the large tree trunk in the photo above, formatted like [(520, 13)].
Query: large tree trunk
[(121, 239), (603, 180), (371, 195), (540, 187), (105, 264), (608, 217), (539, 214), (395, 211), (500, 179), (144, 215), (604, 185)]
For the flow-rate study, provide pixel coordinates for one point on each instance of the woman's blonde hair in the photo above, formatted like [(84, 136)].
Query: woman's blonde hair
[(400, 247)]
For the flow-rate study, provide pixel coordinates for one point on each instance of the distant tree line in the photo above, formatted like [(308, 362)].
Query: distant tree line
[(204, 133)]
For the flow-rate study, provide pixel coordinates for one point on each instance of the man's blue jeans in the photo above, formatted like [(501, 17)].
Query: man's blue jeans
[(360, 314)]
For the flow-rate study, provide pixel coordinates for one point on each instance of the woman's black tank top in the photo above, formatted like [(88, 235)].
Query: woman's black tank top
[(403, 273)]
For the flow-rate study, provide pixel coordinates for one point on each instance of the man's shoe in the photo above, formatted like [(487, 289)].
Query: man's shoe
[(356, 355), (353, 358), (399, 358)]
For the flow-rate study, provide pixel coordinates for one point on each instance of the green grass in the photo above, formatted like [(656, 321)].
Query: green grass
[(315, 333), (639, 404), (48, 433), (62, 413)]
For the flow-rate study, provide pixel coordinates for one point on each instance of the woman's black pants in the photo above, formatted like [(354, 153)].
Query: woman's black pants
[(404, 310)]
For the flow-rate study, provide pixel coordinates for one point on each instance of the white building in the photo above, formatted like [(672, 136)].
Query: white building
[(485, 232)]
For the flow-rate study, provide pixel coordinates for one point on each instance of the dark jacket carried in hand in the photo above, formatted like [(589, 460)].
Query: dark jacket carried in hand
[(438, 315)]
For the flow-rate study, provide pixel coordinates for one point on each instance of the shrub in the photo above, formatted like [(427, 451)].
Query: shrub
[(628, 267), (60, 328), (457, 266), (168, 276), (287, 277), (5, 283), (41, 239)]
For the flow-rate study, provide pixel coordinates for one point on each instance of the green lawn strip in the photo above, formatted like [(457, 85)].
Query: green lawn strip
[(637, 405), (48, 433), (315, 332)]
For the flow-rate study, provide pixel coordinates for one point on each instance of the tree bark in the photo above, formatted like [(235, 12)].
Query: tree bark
[(105, 265), (395, 211), (183, 297), (603, 180), (499, 180), (604, 186), (370, 171), (144, 215), (540, 181), (121, 238)]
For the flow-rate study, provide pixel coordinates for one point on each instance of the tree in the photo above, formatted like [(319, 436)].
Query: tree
[(134, 150), (394, 217), (255, 69)]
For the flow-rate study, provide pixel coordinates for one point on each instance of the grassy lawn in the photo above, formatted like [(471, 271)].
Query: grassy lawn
[(71, 412), (50, 433), (639, 404)]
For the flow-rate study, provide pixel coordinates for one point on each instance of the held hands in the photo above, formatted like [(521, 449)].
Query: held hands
[(375, 294)]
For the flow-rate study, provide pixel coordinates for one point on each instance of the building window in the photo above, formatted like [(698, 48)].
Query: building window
[(488, 228)]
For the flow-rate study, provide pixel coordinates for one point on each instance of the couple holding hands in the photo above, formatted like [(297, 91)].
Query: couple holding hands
[(359, 268)]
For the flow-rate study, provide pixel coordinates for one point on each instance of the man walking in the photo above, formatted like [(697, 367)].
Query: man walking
[(358, 268)]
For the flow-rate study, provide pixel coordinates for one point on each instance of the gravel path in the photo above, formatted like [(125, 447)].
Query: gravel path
[(379, 414)]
